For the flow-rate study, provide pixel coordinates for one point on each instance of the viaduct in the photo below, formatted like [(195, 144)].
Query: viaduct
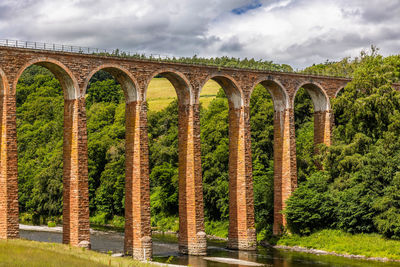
[(74, 71)]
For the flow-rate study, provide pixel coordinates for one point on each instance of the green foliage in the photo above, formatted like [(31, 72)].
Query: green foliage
[(39, 126), (361, 168), (217, 228), (262, 134), (164, 197), (303, 109), (51, 224), (101, 218), (165, 223), (304, 125), (215, 156), (163, 148), (163, 136), (104, 91), (311, 207), (368, 102), (106, 152), (344, 68)]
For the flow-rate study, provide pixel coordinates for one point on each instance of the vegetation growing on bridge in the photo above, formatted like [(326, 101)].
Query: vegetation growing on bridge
[(229, 62), (344, 68), (357, 192)]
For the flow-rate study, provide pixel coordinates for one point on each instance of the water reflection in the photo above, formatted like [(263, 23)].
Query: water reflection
[(165, 249)]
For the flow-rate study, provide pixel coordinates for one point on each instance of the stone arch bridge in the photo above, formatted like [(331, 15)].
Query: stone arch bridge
[(74, 71)]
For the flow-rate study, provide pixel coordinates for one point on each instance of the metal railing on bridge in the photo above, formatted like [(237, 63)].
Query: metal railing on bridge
[(76, 49), (154, 57)]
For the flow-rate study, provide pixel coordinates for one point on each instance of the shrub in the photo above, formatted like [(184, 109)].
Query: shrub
[(101, 218), (51, 224), (311, 207)]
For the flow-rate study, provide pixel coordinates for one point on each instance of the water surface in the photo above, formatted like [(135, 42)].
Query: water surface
[(165, 249)]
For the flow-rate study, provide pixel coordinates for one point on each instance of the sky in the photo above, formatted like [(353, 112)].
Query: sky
[(295, 32)]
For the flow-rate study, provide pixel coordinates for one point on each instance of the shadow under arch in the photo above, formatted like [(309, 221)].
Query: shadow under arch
[(122, 76), (318, 96), (180, 83), (67, 80), (339, 92), (3, 83), (230, 87), (277, 92)]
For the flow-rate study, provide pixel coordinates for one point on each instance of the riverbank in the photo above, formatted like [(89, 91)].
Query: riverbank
[(339, 243), (327, 242), (20, 252)]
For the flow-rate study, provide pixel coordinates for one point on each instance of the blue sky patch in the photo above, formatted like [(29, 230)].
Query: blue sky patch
[(243, 9)]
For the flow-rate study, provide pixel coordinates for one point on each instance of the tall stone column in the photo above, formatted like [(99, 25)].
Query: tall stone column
[(9, 227), (285, 169), (242, 232), (192, 236), (323, 124), (138, 240), (76, 226)]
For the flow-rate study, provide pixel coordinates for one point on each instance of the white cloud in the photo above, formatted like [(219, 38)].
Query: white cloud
[(298, 32)]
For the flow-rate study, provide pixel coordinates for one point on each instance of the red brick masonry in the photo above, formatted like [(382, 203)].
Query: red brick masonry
[(74, 72)]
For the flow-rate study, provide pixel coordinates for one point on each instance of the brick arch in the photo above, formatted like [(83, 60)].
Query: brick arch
[(182, 86), (338, 91), (277, 91), (318, 95), (230, 86), (67, 80), (123, 77)]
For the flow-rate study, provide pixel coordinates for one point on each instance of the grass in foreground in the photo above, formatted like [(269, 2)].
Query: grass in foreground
[(370, 245), (20, 252)]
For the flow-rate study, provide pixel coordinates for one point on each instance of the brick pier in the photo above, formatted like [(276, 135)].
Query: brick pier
[(74, 71)]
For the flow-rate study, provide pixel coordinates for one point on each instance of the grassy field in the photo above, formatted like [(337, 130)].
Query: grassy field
[(161, 92), (31, 253), (369, 245)]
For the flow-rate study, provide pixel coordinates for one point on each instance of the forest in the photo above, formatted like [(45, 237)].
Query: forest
[(357, 190)]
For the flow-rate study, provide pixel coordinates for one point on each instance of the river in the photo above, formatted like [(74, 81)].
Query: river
[(165, 249)]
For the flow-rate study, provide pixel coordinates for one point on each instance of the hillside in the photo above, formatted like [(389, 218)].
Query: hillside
[(161, 92)]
